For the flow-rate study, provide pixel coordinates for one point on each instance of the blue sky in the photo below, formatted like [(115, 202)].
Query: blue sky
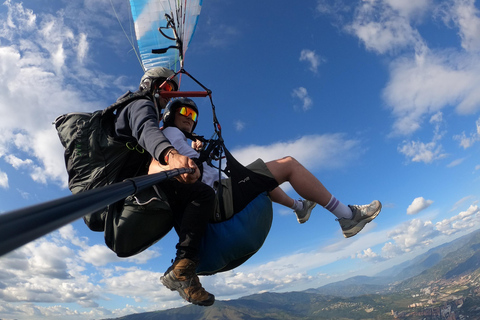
[(378, 98)]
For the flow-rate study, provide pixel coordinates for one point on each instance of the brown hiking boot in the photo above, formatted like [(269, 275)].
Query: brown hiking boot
[(181, 277)]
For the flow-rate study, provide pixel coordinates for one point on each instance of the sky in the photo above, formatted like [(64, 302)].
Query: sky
[(379, 99)]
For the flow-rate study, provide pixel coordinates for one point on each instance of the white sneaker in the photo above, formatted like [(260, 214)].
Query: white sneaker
[(304, 214), (361, 216)]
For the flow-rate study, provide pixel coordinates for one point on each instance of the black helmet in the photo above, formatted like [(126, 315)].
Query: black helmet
[(154, 74), (171, 108)]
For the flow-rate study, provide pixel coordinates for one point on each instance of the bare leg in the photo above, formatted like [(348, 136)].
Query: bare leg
[(302, 180), (279, 196)]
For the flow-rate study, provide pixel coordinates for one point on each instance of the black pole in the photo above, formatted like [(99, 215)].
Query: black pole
[(21, 226)]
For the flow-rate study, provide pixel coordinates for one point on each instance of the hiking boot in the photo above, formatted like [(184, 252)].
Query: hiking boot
[(181, 277), (304, 214), (361, 216)]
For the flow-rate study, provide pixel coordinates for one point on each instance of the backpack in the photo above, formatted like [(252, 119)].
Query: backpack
[(93, 157)]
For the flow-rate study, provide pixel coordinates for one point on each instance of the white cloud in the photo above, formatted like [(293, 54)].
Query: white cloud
[(83, 47), (302, 94), (18, 163), (98, 255), (314, 151), (461, 202), (424, 81), (332, 7), (54, 270), (422, 152), (43, 271), (312, 58), (430, 83), (384, 26), (409, 236), (419, 151), (409, 8), (455, 163), (465, 220), (465, 16), (467, 142), (369, 255), (36, 53), (222, 35), (420, 234), (239, 125), (418, 205), (3, 180)]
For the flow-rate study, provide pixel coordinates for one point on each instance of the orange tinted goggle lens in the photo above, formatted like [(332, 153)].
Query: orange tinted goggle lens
[(186, 111), (167, 87)]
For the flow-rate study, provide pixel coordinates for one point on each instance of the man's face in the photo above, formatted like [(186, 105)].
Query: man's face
[(169, 86)]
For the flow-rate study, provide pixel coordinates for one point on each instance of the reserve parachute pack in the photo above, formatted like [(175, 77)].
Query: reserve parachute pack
[(93, 157)]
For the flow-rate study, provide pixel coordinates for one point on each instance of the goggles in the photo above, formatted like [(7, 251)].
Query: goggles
[(167, 86), (187, 111)]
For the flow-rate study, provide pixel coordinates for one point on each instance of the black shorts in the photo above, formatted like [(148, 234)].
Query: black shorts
[(239, 190)]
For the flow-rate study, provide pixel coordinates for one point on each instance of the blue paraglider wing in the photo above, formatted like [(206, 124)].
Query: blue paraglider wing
[(165, 27)]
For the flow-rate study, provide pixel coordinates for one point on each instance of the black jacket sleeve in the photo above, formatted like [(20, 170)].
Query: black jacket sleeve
[(139, 120)]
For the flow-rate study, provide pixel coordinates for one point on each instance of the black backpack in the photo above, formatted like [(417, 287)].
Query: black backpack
[(93, 157)]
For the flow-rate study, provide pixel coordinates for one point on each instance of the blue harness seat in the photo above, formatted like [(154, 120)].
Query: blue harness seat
[(228, 244)]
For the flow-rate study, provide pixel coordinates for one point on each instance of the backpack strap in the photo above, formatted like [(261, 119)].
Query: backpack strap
[(129, 97)]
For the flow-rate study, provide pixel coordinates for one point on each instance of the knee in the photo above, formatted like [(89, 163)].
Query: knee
[(289, 160)]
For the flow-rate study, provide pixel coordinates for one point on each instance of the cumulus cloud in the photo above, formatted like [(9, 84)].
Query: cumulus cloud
[(411, 235), (313, 59), (465, 220), (423, 81), (465, 15), (302, 94), (56, 270), (384, 26), (468, 141), (44, 272), (418, 205), (36, 52), (369, 255), (426, 152), (420, 234), (313, 151), (419, 151), (428, 83)]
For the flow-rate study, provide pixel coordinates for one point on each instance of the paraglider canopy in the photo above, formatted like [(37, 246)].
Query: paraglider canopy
[(164, 29)]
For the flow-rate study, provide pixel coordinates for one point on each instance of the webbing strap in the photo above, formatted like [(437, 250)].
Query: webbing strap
[(126, 100)]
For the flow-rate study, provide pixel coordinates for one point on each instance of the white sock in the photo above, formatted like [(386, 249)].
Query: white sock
[(297, 205), (339, 209)]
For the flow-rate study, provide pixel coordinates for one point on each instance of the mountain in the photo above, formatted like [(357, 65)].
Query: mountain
[(414, 269), (429, 259), (448, 272), (461, 257), (274, 306), (355, 286)]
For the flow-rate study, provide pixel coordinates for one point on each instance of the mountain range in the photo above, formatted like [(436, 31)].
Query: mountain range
[(452, 267)]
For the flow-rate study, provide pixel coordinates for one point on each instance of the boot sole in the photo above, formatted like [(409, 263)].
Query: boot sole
[(174, 285)]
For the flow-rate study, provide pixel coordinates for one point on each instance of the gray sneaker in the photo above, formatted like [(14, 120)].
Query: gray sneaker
[(304, 214), (361, 216)]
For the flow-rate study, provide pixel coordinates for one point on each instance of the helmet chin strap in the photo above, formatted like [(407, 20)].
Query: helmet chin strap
[(157, 106)]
